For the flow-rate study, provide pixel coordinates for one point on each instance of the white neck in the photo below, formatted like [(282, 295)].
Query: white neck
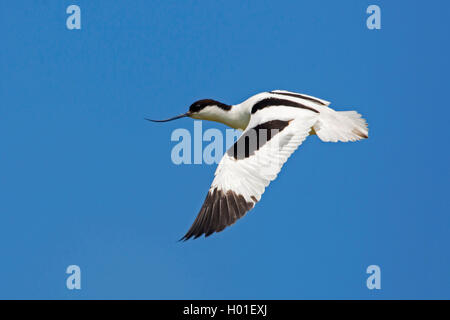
[(237, 117)]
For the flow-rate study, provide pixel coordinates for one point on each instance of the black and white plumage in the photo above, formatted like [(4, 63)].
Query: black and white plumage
[(274, 125)]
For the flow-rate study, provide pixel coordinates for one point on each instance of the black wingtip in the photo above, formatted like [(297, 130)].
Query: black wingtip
[(192, 236), (184, 238)]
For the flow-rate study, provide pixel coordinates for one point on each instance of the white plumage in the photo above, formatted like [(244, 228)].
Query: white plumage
[(275, 124)]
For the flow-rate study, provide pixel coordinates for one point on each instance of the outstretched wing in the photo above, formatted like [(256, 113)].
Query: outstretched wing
[(247, 168)]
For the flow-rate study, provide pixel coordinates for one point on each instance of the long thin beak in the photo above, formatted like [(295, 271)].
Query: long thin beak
[(170, 119)]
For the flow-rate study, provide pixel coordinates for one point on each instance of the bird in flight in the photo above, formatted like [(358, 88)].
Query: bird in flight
[(274, 125)]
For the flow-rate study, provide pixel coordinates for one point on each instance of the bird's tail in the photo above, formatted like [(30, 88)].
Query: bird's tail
[(344, 126)]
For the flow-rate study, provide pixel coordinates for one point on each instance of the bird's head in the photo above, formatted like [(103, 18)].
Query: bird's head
[(205, 109)]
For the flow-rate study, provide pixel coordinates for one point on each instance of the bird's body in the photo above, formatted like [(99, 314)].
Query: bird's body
[(274, 124)]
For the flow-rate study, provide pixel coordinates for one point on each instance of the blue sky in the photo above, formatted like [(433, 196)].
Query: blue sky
[(86, 181)]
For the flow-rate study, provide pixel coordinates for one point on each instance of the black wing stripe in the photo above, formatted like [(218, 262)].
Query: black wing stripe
[(272, 102), (301, 96), (254, 138)]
